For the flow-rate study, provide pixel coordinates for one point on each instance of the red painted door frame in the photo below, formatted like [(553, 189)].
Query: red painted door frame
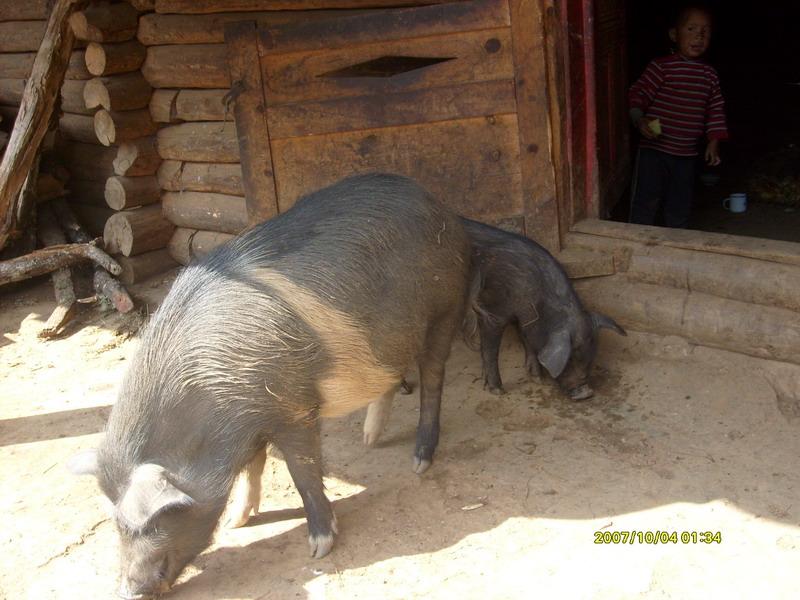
[(581, 118)]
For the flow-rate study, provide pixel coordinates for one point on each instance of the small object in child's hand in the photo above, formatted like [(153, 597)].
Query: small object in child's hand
[(655, 126)]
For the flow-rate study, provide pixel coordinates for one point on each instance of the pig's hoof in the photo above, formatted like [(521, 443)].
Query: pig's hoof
[(497, 391), (239, 518), (582, 392), (421, 465), (320, 545), (371, 438)]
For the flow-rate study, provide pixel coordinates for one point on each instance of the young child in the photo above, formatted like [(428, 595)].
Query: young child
[(675, 102)]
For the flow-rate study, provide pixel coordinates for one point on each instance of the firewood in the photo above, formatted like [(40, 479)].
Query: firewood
[(109, 59), (19, 65), (132, 232), (122, 126), (137, 157), (36, 110), (117, 92), (47, 260), (104, 284), (104, 22), (50, 234), (129, 192)]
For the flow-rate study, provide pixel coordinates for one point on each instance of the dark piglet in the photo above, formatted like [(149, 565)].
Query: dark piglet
[(521, 284), (311, 314)]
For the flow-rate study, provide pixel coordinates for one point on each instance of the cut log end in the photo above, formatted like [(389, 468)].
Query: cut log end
[(104, 127), (95, 59)]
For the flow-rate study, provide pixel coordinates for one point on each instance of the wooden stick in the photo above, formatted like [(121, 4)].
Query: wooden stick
[(47, 260), (35, 111), (104, 22), (128, 91), (108, 59), (104, 284), (50, 234)]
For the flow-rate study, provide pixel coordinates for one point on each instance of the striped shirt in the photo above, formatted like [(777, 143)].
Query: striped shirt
[(684, 95)]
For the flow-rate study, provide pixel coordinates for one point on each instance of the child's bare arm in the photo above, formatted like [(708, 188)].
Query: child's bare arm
[(712, 153)]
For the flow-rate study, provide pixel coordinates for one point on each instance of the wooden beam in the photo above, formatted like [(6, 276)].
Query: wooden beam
[(538, 178), (109, 59), (119, 92), (215, 6), (250, 113), (38, 102), (105, 22), (187, 66), (132, 232), (200, 142), (137, 157)]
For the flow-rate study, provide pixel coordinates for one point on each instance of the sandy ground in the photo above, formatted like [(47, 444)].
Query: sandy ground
[(677, 439)]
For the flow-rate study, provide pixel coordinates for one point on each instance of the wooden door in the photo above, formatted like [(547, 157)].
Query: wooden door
[(431, 92), (613, 124)]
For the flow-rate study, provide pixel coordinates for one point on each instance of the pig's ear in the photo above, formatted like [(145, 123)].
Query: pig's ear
[(83, 463), (599, 321), (149, 494), (555, 354)]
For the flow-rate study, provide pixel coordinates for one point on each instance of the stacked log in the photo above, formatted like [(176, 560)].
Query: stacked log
[(200, 176), (110, 141)]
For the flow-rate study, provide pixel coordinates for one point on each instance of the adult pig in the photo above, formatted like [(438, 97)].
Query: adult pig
[(521, 284), (311, 314)]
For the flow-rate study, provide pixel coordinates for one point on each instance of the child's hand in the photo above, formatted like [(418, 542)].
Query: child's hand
[(646, 130), (712, 153)]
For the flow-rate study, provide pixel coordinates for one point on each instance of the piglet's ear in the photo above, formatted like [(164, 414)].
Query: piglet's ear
[(599, 321), (149, 494), (555, 354), (83, 463)]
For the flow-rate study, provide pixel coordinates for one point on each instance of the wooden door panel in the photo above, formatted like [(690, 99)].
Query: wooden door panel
[(467, 57), (471, 164), (403, 108), (378, 26)]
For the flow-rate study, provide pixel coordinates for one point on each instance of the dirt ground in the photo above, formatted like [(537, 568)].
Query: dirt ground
[(678, 439)]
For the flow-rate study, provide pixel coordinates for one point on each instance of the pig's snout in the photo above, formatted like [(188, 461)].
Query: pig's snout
[(129, 590), (581, 392)]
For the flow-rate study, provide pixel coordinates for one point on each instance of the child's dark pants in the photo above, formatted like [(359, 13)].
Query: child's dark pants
[(662, 178)]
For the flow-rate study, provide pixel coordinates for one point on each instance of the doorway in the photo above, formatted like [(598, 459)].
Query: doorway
[(756, 61)]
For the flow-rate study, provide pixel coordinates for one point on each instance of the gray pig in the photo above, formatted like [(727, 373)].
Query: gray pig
[(311, 314), (520, 283)]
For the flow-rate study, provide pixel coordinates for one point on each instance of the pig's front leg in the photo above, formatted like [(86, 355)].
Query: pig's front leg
[(247, 493), (491, 335), (301, 448), (377, 417), (531, 359)]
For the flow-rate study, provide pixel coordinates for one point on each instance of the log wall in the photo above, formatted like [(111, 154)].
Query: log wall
[(105, 151), (187, 65)]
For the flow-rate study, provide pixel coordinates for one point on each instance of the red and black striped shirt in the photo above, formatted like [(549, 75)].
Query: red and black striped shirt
[(684, 95)]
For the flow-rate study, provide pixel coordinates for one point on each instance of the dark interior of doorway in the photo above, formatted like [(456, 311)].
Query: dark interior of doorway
[(755, 47)]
